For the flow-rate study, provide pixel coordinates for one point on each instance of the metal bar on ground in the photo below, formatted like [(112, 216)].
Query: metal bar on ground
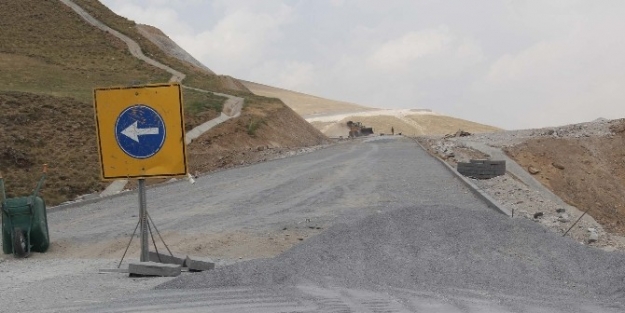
[(154, 243), (568, 230), (159, 235), (128, 246)]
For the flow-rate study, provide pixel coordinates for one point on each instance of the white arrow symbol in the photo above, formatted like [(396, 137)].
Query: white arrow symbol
[(133, 132)]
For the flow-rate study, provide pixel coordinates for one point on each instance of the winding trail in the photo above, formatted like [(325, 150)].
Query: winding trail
[(133, 46), (232, 106)]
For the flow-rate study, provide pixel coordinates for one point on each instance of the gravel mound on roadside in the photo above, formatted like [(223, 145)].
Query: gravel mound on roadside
[(435, 247)]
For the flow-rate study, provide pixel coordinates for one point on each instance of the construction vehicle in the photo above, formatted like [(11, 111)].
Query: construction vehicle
[(24, 222), (356, 129)]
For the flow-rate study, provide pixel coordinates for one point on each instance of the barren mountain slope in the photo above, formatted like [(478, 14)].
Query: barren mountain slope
[(265, 129), (303, 104), (440, 124), (196, 77), (157, 37), (407, 122), (330, 116), (61, 54), (587, 172)]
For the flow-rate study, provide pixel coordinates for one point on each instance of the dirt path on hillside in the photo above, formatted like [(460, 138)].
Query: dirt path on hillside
[(232, 106), (133, 47)]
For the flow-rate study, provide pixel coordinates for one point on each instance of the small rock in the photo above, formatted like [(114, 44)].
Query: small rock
[(564, 219), (560, 210), (538, 214), (558, 165), (593, 237), (532, 170)]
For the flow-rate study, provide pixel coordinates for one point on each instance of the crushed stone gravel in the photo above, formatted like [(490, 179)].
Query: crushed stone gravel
[(430, 247)]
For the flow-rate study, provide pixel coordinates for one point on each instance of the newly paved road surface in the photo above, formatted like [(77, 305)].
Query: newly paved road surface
[(338, 184), (397, 233)]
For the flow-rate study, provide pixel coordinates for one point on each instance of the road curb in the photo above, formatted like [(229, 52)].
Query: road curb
[(490, 202)]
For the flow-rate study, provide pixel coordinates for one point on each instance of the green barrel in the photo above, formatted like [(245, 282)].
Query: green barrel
[(29, 215)]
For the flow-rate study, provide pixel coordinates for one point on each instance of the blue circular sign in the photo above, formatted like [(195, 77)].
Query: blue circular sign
[(140, 131)]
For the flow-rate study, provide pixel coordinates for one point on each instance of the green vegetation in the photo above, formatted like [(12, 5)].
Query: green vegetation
[(29, 138), (46, 48), (254, 125), (196, 102)]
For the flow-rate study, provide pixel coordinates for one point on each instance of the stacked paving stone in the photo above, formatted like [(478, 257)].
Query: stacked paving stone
[(482, 169)]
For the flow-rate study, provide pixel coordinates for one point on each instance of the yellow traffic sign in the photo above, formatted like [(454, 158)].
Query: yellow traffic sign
[(140, 131)]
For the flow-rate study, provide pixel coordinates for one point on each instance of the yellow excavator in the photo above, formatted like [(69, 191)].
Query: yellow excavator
[(356, 129)]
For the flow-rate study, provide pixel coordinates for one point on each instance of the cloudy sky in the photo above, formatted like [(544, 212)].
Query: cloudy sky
[(507, 63)]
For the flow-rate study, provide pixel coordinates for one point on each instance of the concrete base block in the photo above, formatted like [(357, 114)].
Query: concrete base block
[(198, 266), (163, 258), (153, 269)]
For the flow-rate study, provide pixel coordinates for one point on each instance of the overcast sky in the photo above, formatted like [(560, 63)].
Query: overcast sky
[(512, 64)]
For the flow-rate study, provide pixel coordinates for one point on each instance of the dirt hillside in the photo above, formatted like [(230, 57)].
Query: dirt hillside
[(586, 172), (406, 122), (331, 116), (563, 172), (304, 104), (48, 69), (265, 129), (28, 140)]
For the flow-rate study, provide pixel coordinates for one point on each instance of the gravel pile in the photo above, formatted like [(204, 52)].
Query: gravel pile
[(434, 247), (596, 128)]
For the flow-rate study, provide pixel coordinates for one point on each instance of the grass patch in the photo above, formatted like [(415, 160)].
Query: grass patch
[(196, 102), (254, 124), (46, 48), (60, 132)]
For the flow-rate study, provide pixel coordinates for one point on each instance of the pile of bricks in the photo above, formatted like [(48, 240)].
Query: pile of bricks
[(482, 169)]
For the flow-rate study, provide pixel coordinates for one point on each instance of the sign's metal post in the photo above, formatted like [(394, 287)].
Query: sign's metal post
[(141, 135), (143, 216)]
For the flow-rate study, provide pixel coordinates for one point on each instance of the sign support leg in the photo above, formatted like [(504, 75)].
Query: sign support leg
[(143, 219)]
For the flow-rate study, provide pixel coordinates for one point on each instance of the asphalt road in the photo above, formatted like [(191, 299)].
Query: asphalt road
[(386, 228), (337, 184)]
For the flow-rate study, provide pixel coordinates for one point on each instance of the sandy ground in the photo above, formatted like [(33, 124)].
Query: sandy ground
[(409, 122), (304, 104)]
